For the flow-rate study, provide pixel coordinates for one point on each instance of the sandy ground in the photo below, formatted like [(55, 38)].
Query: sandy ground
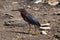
[(43, 12)]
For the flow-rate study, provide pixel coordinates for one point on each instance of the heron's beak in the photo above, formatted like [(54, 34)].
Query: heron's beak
[(14, 10)]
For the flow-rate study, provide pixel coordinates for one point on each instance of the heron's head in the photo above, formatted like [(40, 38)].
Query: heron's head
[(21, 9)]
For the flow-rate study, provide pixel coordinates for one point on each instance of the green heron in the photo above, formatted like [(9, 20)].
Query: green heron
[(30, 19)]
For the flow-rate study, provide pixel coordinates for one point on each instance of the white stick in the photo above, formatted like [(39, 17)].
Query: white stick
[(45, 28), (45, 24)]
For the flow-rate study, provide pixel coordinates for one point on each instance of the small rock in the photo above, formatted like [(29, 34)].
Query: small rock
[(35, 8), (53, 2), (45, 14), (57, 39), (57, 36), (56, 13), (14, 2), (44, 32), (29, 6), (38, 1), (9, 15)]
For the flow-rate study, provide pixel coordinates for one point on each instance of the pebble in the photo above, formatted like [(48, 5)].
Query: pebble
[(38, 1), (56, 13), (14, 2), (35, 8), (29, 6), (53, 3), (44, 32)]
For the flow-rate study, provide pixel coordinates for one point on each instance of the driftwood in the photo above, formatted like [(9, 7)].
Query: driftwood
[(15, 23)]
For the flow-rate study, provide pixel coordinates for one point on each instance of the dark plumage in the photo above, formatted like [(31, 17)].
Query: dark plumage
[(32, 20), (28, 17)]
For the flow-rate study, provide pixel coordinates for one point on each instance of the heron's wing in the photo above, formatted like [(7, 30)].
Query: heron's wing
[(31, 19)]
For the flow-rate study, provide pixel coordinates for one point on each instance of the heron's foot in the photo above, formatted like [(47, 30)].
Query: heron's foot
[(29, 29), (36, 33)]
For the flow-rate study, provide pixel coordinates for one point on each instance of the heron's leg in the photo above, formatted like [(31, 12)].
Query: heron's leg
[(29, 28), (36, 31)]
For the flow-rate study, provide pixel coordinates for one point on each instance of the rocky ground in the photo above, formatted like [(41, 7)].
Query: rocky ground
[(43, 12)]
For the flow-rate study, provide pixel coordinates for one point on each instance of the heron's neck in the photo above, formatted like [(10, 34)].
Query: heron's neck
[(24, 12)]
